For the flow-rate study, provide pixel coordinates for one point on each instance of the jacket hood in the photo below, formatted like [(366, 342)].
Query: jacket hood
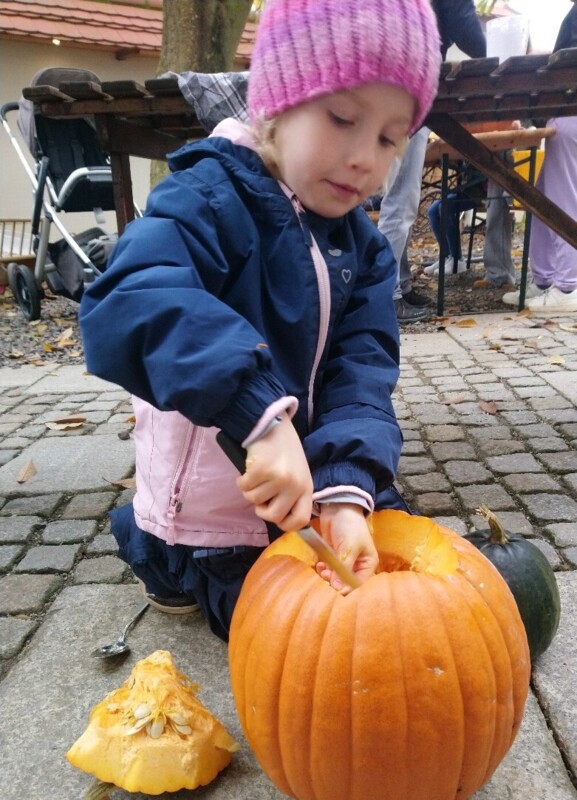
[(231, 143)]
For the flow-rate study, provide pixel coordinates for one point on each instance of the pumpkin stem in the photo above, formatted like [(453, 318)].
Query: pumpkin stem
[(497, 533)]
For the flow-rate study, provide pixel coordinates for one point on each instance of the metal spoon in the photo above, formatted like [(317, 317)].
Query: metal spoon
[(120, 646)]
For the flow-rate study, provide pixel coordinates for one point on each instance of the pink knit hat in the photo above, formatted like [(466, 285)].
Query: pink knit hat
[(308, 48)]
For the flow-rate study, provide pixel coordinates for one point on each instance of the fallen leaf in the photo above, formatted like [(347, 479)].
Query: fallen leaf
[(556, 360), (47, 347), (466, 323), (495, 346), (570, 328), (131, 420), (15, 354), (459, 398), (26, 472), (65, 339), (125, 483), (66, 423), (488, 406)]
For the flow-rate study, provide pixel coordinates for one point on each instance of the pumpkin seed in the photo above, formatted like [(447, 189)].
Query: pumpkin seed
[(178, 719), (156, 728), (141, 711), (138, 726), (183, 729)]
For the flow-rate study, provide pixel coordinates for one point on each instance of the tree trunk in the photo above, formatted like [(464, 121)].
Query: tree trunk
[(201, 36)]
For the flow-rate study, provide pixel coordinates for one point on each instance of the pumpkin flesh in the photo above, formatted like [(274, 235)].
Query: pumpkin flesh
[(179, 745), (411, 687)]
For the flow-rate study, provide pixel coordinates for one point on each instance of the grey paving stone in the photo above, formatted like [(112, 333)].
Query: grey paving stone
[(103, 543), (447, 451), (414, 447), (104, 569), (482, 434), (72, 530), (563, 533), (548, 445), (415, 465), (571, 481), (7, 455), (560, 462), (570, 555), (462, 472), (49, 558), (490, 495), (548, 551), (9, 554), (432, 482), (26, 592), (517, 462), (554, 679), (443, 433), (79, 467), (500, 447), (531, 482), (88, 505), (533, 431), (42, 505), (551, 507), (18, 529), (13, 633), (432, 504)]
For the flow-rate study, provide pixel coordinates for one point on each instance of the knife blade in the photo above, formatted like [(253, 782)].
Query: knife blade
[(328, 555), (237, 455)]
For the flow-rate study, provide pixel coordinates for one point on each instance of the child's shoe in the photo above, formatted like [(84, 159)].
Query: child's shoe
[(179, 604)]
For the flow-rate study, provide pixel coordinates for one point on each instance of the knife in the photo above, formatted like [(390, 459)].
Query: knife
[(237, 455)]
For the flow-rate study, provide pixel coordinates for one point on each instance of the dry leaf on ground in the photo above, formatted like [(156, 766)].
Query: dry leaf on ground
[(66, 423), (27, 472)]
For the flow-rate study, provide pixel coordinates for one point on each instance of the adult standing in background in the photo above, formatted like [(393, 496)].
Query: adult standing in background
[(458, 24), (553, 260)]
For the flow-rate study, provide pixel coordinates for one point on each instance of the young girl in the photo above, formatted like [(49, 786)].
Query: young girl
[(255, 297)]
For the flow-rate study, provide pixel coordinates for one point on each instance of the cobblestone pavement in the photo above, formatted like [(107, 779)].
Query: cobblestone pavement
[(488, 408)]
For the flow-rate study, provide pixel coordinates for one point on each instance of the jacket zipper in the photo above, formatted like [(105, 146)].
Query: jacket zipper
[(182, 479)]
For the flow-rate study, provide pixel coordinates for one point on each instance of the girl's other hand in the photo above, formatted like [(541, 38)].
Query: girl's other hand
[(344, 527), (277, 479)]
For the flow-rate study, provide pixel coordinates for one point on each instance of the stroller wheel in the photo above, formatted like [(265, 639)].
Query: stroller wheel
[(26, 291)]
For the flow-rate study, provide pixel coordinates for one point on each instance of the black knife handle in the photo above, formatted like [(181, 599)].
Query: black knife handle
[(233, 449), (237, 455)]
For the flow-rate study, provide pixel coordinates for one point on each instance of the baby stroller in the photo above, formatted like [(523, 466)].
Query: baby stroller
[(71, 174)]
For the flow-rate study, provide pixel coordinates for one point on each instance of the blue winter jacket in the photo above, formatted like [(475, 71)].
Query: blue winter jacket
[(210, 306)]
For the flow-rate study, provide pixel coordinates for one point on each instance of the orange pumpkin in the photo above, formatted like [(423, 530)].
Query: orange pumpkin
[(412, 687), (153, 734)]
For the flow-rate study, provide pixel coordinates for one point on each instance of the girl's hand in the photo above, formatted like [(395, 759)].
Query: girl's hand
[(277, 479), (344, 527)]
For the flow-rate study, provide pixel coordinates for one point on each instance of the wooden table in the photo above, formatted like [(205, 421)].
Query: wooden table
[(153, 119)]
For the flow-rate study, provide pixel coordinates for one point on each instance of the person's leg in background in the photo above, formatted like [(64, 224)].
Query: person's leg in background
[(553, 260), (497, 251), (456, 204), (398, 212)]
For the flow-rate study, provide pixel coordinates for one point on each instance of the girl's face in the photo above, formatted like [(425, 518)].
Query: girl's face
[(335, 151)]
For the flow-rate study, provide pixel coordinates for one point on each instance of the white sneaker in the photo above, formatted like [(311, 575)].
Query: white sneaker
[(433, 269), (554, 301), (512, 298)]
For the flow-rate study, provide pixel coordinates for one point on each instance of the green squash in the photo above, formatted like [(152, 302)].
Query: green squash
[(529, 576)]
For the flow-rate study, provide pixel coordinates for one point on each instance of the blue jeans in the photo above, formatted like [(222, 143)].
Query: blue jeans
[(400, 205), (456, 204)]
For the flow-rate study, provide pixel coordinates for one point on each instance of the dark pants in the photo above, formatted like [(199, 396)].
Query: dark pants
[(213, 576)]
